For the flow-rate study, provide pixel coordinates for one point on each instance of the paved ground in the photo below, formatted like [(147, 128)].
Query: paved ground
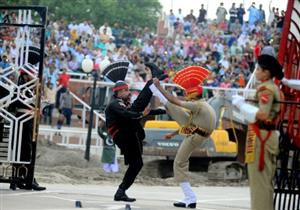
[(93, 197)]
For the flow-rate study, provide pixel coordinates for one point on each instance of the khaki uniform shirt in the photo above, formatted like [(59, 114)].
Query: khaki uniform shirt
[(203, 115)]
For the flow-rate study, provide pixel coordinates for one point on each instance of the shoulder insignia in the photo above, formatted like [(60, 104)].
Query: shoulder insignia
[(264, 98), (122, 104)]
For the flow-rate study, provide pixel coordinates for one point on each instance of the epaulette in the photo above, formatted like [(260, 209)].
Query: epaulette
[(122, 104), (263, 88)]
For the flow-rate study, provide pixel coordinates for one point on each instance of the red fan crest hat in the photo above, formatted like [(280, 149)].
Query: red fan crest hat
[(191, 79)]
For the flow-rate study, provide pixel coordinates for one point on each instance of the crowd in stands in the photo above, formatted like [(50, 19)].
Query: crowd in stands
[(228, 46)]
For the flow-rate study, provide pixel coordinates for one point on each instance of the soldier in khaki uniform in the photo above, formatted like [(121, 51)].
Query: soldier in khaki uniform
[(197, 120), (262, 139)]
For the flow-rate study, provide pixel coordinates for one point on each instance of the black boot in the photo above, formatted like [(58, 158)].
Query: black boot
[(13, 186), (184, 205), (121, 196), (36, 186)]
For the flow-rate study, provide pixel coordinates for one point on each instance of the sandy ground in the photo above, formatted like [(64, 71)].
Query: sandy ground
[(57, 164)]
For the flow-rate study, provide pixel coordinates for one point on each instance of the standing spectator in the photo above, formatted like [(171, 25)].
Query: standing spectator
[(63, 81), (271, 19), (66, 106), (280, 21), (253, 15), (262, 15), (202, 14), (233, 13), (172, 18), (109, 156), (221, 13), (50, 93), (180, 15), (190, 17), (240, 14)]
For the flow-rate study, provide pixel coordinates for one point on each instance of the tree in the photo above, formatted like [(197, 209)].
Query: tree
[(140, 13)]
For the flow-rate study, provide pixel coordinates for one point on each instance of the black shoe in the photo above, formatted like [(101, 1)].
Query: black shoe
[(121, 196), (184, 205), (36, 186), (13, 186)]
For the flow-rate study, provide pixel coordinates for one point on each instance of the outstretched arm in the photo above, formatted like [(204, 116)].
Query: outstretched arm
[(291, 83), (168, 96)]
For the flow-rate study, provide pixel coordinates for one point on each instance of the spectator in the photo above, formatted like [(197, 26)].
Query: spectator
[(4, 63), (50, 93), (262, 15), (253, 14), (221, 13), (180, 16), (202, 15), (66, 106), (171, 18), (233, 13), (190, 17), (108, 29), (271, 19), (240, 14), (109, 155)]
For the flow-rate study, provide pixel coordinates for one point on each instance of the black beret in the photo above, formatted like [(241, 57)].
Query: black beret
[(271, 64), (120, 85)]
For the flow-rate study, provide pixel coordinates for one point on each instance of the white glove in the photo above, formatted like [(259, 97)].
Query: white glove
[(292, 83), (285, 81), (238, 100), (158, 94), (249, 112)]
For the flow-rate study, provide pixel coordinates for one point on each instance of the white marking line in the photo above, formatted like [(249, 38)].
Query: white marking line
[(115, 207), (224, 199), (206, 208), (56, 197), (26, 193)]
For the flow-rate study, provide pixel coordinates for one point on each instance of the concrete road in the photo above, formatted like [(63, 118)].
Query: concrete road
[(99, 197)]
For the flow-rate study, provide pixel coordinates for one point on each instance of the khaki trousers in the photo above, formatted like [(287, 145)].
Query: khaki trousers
[(261, 182), (189, 144)]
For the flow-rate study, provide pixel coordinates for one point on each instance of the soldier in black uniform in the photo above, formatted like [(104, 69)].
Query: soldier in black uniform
[(123, 122), (25, 175)]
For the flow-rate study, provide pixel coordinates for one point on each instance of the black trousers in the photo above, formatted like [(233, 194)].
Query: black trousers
[(130, 146)]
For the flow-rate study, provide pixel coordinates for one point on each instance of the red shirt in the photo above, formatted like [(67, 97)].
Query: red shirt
[(257, 50), (64, 80)]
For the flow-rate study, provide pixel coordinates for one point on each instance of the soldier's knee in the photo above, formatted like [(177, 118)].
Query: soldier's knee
[(178, 164)]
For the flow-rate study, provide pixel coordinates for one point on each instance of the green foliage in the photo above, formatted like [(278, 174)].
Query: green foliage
[(125, 12)]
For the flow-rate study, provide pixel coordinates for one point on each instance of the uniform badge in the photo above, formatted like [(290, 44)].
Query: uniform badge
[(264, 98), (122, 104)]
